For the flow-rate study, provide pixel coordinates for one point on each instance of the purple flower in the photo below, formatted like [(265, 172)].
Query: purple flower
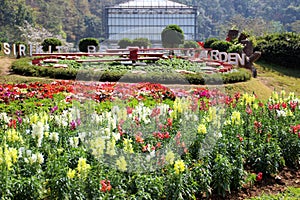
[(20, 120), (72, 125), (54, 109)]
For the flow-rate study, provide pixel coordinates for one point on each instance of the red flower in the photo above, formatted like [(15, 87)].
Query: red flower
[(12, 123), (248, 110), (169, 122), (139, 139), (293, 105), (259, 176), (105, 185), (240, 138)]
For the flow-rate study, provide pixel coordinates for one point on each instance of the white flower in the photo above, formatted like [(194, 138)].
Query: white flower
[(38, 132), (54, 136), (116, 136), (21, 150), (33, 158), (82, 136), (74, 141), (281, 113), (40, 158), (4, 117)]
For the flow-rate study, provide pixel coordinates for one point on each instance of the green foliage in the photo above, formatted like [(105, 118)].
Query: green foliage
[(235, 48), (164, 73), (221, 171), (51, 42), (209, 41), (172, 36), (280, 48), (124, 43), (222, 46), (141, 42), (85, 42), (190, 44)]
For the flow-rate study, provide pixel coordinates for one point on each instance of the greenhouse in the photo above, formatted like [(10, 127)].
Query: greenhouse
[(147, 19)]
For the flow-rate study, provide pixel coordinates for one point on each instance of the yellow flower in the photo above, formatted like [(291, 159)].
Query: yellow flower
[(275, 95), (82, 166), (248, 99), (255, 106), (97, 145), (179, 166), (179, 106), (282, 93), (71, 173), (110, 147), (202, 129), (10, 156), (128, 146), (34, 118), (121, 164), (170, 156), (212, 114), (236, 117), (13, 135)]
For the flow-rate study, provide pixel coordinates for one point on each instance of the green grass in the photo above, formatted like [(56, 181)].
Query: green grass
[(270, 78), (290, 194)]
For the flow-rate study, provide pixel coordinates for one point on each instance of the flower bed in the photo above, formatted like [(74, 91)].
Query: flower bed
[(165, 71), (85, 140)]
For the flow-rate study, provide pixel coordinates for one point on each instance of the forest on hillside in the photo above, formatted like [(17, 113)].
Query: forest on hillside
[(76, 19)]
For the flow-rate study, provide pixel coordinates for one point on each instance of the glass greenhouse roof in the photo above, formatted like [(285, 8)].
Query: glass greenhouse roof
[(151, 3)]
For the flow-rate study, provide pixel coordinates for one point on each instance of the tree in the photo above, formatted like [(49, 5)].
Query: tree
[(172, 36), (141, 42), (85, 42), (51, 42), (124, 43)]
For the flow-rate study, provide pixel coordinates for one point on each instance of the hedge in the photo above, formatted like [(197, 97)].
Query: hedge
[(280, 48), (23, 67)]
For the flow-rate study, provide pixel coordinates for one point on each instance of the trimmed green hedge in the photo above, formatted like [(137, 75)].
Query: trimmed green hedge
[(280, 48), (23, 67)]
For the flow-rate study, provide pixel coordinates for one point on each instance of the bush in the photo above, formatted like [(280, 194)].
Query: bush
[(51, 42), (124, 43), (23, 67), (85, 42), (190, 44), (235, 48), (209, 41), (141, 42), (221, 45), (280, 48), (172, 36)]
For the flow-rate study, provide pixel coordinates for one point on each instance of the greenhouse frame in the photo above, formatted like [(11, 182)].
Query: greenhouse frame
[(147, 19)]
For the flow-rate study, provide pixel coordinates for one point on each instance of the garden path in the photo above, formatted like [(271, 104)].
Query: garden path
[(5, 63)]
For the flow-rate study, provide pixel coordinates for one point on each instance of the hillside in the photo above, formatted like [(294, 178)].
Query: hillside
[(76, 19)]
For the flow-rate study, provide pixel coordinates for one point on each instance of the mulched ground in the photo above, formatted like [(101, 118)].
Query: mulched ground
[(288, 177)]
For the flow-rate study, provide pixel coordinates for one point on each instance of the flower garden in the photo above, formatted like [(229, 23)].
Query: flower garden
[(88, 140)]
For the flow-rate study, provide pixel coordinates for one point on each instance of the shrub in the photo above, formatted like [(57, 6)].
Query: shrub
[(85, 42), (141, 42), (235, 48), (51, 42), (172, 36), (124, 43), (209, 41), (23, 67), (221, 45), (280, 48), (190, 44)]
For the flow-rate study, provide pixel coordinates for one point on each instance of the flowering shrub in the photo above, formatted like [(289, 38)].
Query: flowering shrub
[(83, 140)]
